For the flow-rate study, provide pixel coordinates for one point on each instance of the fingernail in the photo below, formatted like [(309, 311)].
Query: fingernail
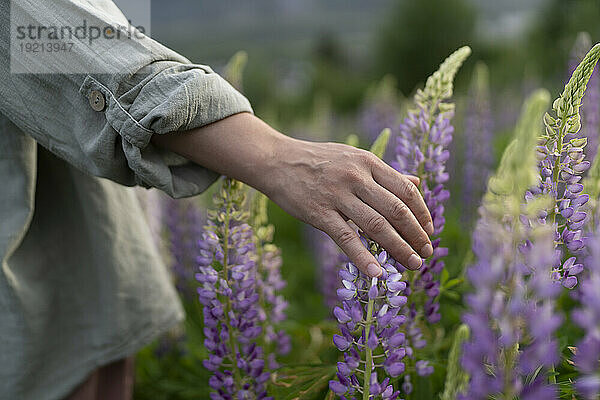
[(414, 262), (429, 228), (426, 251), (373, 270)]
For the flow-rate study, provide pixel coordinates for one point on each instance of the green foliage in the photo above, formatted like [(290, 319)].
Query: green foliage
[(457, 379), (517, 170), (380, 144), (308, 382), (419, 33)]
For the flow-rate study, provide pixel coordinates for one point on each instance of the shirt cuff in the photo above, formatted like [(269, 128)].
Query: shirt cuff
[(165, 97)]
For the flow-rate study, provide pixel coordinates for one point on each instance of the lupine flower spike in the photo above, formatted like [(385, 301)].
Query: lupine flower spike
[(421, 150), (478, 135), (370, 319), (270, 283), (561, 168), (228, 292), (511, 313)]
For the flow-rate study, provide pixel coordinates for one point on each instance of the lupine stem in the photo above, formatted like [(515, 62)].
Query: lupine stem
[(232, 341), (555, 174), (368, 352), (556, 169)]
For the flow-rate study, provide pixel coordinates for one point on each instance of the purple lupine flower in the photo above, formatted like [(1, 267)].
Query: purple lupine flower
[(422, 150), (370, 319), (228, 293), (330, 259), (588, 317), (562, 163), (376, 116), (428, 162), (183, 220), (273, 304), (478, 135), (511, 312), (380, 109), (560, 175), (511, 316)]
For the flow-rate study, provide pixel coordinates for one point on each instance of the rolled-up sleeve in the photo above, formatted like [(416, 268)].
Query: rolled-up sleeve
[(103, 122)]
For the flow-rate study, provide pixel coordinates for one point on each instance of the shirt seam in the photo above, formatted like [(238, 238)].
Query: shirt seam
[(116, 101)]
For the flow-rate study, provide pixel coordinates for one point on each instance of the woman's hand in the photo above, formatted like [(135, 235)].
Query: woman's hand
[(325, 184), (322, 184)]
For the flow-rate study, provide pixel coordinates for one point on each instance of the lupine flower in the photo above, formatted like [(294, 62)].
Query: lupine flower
[(511, 313), (228, 292), (270, 282), (422, 150), (183, 220), (370, 319), (330, 259), (562, 164), (511, 316), (478, 135), (380, 109), (587, 357)]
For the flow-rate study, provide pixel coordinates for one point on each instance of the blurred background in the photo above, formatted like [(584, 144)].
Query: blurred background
[(326, 69), (298, 49)]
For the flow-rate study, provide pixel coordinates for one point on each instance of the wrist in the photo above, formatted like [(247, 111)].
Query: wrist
[(268, 177)]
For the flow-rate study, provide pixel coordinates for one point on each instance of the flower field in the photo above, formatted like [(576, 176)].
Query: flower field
[(507, 307)]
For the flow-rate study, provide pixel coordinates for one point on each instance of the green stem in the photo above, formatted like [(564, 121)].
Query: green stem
[(555, 175), (552, 377), (232, 341), (369, 352), (556, 168), (510, 357)]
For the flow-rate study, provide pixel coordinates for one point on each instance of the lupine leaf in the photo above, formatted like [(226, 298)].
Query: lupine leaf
[(301, 382), (380, 144)]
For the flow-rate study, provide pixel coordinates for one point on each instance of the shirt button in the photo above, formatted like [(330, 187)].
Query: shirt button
[(97, 101)]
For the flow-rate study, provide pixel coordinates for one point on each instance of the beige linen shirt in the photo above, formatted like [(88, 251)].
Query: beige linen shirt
[(80, 281)]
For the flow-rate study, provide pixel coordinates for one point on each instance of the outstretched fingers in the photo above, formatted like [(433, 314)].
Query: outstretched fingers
[(405, 188), (348, 240), (378, 228)]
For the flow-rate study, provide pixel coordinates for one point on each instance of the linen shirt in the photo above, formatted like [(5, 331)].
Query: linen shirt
[(81, 283)]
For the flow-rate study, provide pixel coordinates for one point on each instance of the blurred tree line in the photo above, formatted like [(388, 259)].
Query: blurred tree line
[(411, 41)]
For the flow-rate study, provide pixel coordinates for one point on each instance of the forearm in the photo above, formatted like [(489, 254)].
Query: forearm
[(323, 184), (240, 146)]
